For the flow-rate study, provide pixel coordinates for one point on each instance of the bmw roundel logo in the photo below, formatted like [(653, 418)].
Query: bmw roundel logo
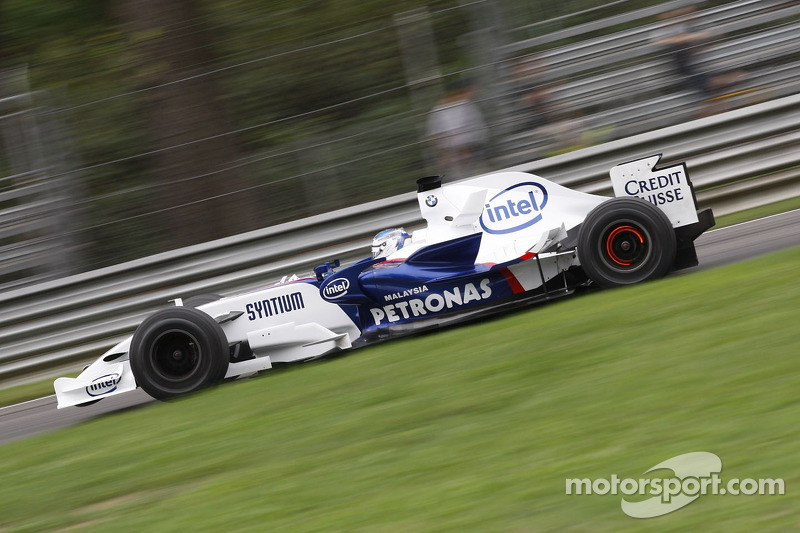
[(431, 201)]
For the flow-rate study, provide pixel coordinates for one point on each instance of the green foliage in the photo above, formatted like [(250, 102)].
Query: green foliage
[(316, 92), (75, 53), (294, 74)]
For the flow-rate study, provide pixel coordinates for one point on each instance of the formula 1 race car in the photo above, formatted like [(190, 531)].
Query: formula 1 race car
[(490, 243)]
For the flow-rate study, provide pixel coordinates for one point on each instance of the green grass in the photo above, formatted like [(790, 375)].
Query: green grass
[(28, 391), (757, 212), (472, 428)]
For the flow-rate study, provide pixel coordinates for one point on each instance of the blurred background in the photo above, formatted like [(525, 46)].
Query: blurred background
[(133, 127)]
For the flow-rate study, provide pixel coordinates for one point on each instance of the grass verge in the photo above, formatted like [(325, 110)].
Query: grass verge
[(26, 391), (467, 429), (758, 212)]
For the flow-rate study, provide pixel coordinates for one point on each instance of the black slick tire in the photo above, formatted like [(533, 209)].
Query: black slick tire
[(178, 350), (624, 241)]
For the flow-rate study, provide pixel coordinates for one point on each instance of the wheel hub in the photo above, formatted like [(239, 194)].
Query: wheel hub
[(175, 355), (625, 245)]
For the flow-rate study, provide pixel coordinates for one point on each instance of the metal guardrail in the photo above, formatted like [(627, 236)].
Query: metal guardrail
[(737, 160), (626, 82)]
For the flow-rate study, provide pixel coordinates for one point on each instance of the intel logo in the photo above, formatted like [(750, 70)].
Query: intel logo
[(336, 288), (515, 208), (103, 385)]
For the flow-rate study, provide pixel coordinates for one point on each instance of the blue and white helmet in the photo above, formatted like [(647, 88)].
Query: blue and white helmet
[(388, 242)]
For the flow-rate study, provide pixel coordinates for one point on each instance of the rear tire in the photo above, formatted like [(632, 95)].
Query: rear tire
[(178, 350), (626, 240)]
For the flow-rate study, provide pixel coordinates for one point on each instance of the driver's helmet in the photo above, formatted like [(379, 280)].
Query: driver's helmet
[(388, 242)]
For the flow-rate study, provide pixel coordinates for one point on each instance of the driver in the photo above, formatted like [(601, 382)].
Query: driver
[(388, 242)]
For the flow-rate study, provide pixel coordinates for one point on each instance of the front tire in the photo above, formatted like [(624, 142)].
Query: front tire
[(626, 240), (178, 350)]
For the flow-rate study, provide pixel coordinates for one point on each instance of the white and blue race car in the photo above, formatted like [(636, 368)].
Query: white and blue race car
[(490, 243)]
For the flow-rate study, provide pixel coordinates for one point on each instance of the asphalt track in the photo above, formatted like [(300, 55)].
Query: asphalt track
[(714, 248)]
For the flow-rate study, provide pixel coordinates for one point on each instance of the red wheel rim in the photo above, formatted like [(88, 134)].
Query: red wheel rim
[(623, 244)]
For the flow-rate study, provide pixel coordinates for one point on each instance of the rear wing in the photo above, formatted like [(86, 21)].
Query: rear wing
[(669, 188)]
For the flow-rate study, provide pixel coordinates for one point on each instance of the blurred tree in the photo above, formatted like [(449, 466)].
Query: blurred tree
[(192, 147), (309, 85)]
